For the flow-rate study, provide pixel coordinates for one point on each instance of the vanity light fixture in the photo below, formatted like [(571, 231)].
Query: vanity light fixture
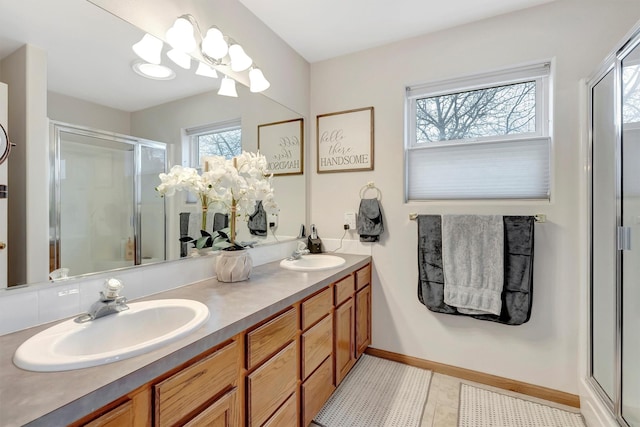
[(228, 87), (180, 58), (153, 71), (206, 71), (216, 50), (149, 49), (257, 82)]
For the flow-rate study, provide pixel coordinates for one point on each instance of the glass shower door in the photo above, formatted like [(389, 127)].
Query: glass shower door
[(95, 203), (603, 233), (151, 207), (630, 235)]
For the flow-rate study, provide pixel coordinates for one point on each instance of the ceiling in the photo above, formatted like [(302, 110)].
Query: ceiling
[(323, 29), (316, 29)]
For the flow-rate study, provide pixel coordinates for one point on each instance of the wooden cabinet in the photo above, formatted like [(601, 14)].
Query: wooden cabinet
[(317, 350), (279, 372), (221, 413), (344, 342), (271, 384), (316, 390), (187, 393), (265, 340), (352, 320), (273, 367), (119, 416), (132, 410), (363, 320)]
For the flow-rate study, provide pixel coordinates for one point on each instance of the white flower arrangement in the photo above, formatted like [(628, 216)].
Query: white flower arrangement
[(231, 185)]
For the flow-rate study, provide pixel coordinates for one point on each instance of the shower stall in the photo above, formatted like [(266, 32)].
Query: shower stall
[(105, 213), (614, 297)]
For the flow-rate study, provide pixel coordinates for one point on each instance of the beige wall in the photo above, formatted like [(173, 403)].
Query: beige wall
[(25, 72), (577, 35)]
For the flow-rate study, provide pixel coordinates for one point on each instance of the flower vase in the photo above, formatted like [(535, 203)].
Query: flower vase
[(233, 266)]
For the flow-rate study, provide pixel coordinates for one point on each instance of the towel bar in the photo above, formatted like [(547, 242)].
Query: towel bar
[(539, 218)]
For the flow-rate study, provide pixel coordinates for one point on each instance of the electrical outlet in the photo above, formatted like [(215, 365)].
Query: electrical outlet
[(350, 220), (272, 220)]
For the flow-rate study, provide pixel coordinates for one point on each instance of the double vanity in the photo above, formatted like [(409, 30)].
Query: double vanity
[(270, 353)]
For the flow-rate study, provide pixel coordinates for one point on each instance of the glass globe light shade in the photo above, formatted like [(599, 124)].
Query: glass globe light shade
[(180, 35), (214, 45), (257, 81), (228, 87), (240, 61), (149, 49)]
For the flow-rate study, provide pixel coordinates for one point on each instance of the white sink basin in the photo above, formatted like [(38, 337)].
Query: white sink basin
[(145, 326), (313, 262)]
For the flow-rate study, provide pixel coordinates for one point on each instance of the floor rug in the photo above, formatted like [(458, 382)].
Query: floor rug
[(376, 393), (484, 408)]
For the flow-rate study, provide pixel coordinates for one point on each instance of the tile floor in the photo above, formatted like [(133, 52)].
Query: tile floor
[(441, 409)]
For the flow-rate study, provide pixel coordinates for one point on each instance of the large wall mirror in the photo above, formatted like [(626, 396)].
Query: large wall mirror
[(91, 87)]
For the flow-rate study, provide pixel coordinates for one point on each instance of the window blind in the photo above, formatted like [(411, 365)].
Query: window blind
[(488, 170)]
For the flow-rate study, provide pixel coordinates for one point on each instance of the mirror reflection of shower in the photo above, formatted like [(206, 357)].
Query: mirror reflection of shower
[(105, 213)]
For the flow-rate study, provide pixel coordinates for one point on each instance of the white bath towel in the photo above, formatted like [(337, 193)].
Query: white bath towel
[(472, 260)]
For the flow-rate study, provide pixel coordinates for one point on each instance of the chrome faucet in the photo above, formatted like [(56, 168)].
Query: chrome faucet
[(297, 254), (110, 302)]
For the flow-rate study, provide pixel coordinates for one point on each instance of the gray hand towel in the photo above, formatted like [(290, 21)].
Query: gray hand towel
[(220, 221), (258, 221), (472, 258), (370, 225)]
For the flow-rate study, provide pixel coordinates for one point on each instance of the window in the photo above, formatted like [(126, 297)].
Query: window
[(219, 139), (483, 137)]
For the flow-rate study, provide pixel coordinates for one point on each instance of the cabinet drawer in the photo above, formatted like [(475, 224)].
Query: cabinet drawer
[(268, 338), (221, 413), (287, 415), (344, 289), (181, 394), (119, 416), (317, 343), (271, 384), (363, 277), (315, 308), (316, 390)]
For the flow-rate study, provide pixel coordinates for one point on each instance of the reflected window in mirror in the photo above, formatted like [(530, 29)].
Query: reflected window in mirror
[(216, 139)]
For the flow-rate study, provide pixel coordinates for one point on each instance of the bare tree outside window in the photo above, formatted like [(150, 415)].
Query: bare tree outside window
[(631, 95), (227, 143), (495, 111)]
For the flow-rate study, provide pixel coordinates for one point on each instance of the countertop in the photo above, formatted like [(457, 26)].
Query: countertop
[(58, 398)]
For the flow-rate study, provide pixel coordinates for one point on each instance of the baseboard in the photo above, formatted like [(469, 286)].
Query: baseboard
[(480, 377)]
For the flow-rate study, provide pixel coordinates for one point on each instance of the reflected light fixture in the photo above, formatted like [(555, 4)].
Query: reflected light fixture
[(180, 58), (240, 61), (153, 71), (257, 82), (228, 87), (214, 45), (149, 49), (206, 71), (215, 50), (181, 35)]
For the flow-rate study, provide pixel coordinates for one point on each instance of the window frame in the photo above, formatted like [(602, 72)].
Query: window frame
[(194, 133), (539, 72)]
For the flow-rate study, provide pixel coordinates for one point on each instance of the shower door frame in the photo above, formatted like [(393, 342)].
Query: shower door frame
[(56, 127), (612, 63)]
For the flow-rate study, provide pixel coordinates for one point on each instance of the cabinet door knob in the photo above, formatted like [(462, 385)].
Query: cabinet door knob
[(2, 245)]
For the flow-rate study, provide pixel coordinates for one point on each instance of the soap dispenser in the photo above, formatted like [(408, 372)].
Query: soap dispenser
[(314, 244)]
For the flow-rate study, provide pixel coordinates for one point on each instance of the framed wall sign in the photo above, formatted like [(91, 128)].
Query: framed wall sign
[(282, 143), (345, 141)]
